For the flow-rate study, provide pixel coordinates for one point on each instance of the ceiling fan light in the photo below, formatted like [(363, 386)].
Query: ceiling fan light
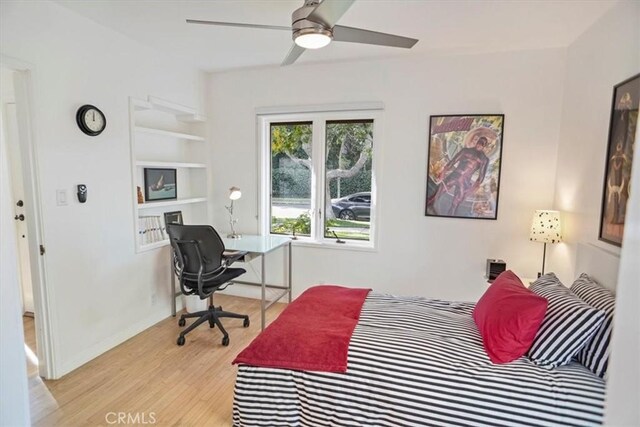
[(315, 40)]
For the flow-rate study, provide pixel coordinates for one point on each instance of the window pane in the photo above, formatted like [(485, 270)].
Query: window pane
[(348, 179), (291, 178)]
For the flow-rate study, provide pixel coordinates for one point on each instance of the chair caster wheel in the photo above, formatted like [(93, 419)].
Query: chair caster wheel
[(225, 341), (181, 340), (182, 322), (246, 323)]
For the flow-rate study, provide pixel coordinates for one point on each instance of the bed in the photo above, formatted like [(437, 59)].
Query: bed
[(413, 361), (416, 361)]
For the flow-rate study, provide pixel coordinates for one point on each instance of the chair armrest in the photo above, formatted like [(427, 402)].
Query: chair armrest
[(230, 257)]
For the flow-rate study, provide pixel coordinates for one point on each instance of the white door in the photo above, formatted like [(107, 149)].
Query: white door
[(17, 190)]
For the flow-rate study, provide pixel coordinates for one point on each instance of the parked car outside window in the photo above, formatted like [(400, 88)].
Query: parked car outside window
[(355, 207)]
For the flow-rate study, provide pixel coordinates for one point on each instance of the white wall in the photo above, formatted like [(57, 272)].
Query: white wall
[(438, 257), (99, 288), (623, 390), (14, 404), (605, 55)]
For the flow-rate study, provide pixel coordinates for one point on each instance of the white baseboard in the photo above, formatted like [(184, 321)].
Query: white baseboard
[(111, 342)]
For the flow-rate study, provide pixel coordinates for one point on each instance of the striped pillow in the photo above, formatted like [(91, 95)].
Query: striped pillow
[(595, 355), (567, 326)]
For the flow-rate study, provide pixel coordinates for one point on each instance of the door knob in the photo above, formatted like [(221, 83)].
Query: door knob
[(20, 203), (19, 217)]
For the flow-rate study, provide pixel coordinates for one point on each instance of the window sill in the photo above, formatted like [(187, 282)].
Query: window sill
[(348, 246)]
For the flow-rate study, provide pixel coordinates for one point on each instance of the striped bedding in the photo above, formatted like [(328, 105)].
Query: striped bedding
[(414, 361)]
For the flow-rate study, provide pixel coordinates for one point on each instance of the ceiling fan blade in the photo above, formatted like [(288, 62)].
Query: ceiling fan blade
[(293, 54), (237, 24), (357, 35), (330, 11)]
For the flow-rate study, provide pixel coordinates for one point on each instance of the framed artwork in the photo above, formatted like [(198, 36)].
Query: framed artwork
[(617, 172), (174, 217), (160, 184), (463, 165)]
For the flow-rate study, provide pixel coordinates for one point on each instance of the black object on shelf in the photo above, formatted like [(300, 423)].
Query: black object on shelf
[(494, 268)]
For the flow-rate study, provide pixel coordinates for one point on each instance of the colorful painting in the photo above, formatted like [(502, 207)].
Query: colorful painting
[(622, 132), (463, 177)]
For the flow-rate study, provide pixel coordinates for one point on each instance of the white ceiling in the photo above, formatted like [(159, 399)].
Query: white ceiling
[(441, 25)]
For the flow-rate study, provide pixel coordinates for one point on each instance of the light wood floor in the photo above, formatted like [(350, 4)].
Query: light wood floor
[(183, 386), (28, 324)]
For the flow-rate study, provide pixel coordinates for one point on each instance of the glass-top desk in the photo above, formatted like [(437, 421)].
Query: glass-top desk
[(257, 246)]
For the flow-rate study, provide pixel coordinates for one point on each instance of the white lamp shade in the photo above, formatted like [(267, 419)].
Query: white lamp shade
[(235, 193), (546, 227)]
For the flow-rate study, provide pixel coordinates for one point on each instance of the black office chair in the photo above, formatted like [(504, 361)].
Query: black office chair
[(203, 268)]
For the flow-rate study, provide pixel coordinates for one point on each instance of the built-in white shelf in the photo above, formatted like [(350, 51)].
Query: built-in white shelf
[(192, 118), (141, 105), (182, 112), (154, 245), (161, 136), (155, 164), (177, 202), (169, 106), (169, 134)]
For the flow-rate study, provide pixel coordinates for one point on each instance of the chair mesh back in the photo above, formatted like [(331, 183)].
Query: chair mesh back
[(209, 242)]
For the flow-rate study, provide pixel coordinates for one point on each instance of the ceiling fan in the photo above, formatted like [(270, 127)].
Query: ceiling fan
[(314, 26)]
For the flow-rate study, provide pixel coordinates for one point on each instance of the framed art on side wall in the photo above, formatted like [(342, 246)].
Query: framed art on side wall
[(617, 175), (463, 165), (160, 184)]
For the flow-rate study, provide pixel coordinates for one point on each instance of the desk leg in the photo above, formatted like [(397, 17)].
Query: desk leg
[(289, 279), (173, 285), (263, 301)]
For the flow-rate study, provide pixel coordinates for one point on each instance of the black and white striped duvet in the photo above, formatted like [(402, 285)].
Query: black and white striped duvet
[(414, 361)]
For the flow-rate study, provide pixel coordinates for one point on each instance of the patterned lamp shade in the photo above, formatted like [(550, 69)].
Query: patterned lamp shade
[(546, 227)]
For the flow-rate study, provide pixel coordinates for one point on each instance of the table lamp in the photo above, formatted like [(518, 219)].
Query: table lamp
[(234, 194), (545, 228)]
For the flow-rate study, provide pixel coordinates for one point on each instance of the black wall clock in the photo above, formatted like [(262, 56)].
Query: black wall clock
[(91, 120)]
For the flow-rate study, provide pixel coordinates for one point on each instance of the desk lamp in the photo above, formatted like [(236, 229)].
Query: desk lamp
[(234, 194), (545, 228)]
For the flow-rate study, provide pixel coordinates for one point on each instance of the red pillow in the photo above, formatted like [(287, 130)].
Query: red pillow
[(508, 317)]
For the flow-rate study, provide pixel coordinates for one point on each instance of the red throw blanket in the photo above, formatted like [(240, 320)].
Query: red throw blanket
[(311, 334)]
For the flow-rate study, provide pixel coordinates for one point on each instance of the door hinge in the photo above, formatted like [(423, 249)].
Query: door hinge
[(42, 250)]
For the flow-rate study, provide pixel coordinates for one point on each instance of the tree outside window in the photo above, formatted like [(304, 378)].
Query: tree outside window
[(347, 178)]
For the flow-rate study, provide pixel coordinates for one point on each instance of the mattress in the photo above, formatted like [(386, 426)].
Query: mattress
[(414, 361)]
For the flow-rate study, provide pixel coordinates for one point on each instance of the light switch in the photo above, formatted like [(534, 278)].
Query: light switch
[(61, 198)]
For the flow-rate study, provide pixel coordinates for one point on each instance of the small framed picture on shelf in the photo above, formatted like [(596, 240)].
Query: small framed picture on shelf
[(160, 184), (174, 217)]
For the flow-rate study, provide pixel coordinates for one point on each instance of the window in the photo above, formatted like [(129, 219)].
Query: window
[(318, 173), (290, 145)]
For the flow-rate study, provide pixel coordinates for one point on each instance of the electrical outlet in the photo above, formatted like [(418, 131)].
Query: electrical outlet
[(154, 299)]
